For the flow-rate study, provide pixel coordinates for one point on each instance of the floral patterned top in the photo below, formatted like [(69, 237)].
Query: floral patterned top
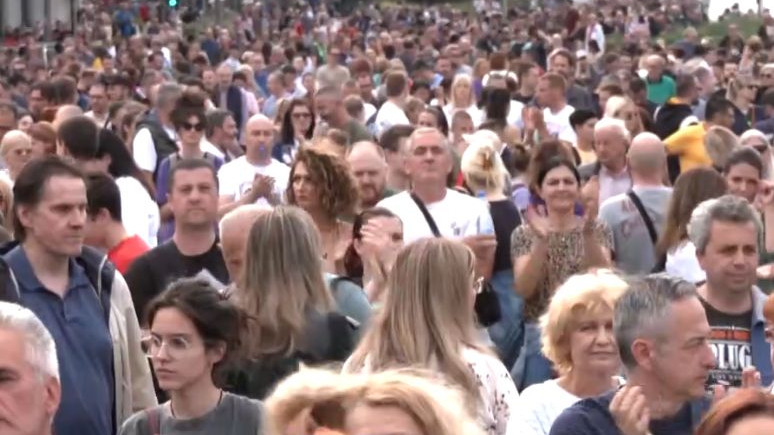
[(565, 258), (497, 390)]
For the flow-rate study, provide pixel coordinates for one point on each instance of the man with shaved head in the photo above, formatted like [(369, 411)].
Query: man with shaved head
[(255, 177), (234, 229), (637, 217), (369, 167)]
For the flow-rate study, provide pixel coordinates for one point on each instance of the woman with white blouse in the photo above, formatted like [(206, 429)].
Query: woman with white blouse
[(428, 321), (577, 337)]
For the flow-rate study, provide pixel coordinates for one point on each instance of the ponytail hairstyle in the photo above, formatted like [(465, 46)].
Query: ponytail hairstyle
[(483, 167)]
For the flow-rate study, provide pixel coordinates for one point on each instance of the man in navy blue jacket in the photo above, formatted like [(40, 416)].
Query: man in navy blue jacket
[(663, 338)]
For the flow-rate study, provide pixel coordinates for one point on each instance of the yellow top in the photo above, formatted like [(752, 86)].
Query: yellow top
[(688, 144), (586, 156)]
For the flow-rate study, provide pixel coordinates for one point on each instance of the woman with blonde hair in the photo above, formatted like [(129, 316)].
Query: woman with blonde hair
[(485, 175), (742, 91), (410, 402), (462, 98), (623, 108), (428, 321), (577, 337), (285, 293), (719, 142)]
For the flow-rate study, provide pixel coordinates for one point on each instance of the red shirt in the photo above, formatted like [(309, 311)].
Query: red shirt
[(124, 253)]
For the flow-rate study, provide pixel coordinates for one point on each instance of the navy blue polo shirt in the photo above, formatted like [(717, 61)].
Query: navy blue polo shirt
[(83, 344)]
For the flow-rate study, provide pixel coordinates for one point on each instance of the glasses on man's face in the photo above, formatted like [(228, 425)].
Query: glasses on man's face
[(175, 346)]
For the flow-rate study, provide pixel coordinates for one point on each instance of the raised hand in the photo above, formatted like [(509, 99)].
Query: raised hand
[(630, 411), (765, 197)]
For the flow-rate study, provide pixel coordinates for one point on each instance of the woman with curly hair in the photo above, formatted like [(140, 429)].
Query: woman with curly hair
[(320, 183)]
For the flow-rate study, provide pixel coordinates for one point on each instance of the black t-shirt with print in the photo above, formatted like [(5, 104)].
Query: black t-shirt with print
[(152, 272), (730, 342)]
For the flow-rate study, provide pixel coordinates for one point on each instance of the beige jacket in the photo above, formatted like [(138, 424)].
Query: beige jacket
[(133, 383)]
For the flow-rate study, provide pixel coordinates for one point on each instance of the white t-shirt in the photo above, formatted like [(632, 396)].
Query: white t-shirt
[(144, 150), (139, 212), (558, 124), (209, 147), (389, 114), (538, 406), (236, 178), (456, 215)]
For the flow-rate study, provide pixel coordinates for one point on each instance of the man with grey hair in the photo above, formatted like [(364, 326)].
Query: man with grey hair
[(31, 392), (610, 171), (637, 217), (156, 137), (663, 339), (725, 232)]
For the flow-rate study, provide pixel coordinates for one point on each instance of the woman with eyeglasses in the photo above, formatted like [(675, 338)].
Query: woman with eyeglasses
[(742, 90), (297, 128), (428, 321), (190, 121), (195, 332)]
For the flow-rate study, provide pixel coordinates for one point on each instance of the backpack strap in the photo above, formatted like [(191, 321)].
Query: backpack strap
[(644, 215), (100, 273)]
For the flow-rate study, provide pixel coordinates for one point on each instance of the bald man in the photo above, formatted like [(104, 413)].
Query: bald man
[(255, 177), (635, 233), (369, 167), (234, 230)]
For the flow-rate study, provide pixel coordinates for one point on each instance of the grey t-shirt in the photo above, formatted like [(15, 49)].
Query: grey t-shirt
[(634, 250), (235, 415)]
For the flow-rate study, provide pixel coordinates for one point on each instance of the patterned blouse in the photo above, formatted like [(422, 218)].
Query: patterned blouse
[(565, 258)]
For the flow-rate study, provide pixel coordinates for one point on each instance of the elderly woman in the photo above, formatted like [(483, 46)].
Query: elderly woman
[(578, 339), (15, 151)]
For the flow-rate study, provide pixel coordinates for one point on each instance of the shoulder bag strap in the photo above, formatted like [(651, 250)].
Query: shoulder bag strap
[(644, 215), (154, 420), (426, 214)]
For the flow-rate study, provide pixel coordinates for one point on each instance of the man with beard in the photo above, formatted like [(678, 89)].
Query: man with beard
[(329, 104), (369, 167)]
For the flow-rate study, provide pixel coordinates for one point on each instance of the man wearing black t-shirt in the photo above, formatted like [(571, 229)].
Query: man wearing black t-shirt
[(725, 232), (662, 335), (193, 250)]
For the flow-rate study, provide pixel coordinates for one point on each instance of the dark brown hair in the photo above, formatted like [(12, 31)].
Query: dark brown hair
[(329, 172), (745, 403)]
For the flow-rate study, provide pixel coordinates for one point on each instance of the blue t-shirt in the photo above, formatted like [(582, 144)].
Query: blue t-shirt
[(83, 345), (592, 417)]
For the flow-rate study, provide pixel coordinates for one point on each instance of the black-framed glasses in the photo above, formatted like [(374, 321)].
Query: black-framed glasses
[(188, 126)]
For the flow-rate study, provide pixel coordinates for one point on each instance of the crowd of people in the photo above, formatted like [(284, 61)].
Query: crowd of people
[(403, 220)]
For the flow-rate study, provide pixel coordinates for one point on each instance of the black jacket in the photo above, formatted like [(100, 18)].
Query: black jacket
[(669, 116)]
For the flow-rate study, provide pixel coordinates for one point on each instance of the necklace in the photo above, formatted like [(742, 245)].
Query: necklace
[(172, 408)]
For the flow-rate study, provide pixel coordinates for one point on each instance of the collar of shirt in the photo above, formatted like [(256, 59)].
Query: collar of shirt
[(28, 281)]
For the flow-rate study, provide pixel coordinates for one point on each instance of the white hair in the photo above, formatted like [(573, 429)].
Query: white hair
[(41, 349), (615, 124), (238, 214)]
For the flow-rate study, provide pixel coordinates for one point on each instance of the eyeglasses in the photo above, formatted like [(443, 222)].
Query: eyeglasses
[(188, 126), (301, 115), (175, 346)]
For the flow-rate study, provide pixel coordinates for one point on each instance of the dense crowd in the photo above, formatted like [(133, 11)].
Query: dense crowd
[(388, 220)]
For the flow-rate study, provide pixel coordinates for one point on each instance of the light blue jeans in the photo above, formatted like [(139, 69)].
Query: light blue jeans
[(507, 334)]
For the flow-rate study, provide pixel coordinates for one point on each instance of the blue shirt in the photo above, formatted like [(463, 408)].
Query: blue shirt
[(83, 345)]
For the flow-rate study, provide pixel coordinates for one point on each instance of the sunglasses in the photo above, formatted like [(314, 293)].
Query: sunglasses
[(188, 126)]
